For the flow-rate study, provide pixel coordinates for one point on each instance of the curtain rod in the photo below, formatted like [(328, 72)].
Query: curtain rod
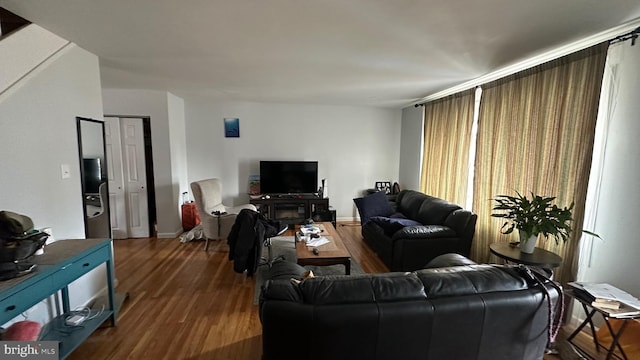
[(607, 35), (633, 35)]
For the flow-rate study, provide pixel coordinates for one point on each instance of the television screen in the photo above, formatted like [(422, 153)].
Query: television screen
[(92, 175), (288, 177)]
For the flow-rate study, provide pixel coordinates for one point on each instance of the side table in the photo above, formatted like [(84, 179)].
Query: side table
[(539, 257), (590, 312)]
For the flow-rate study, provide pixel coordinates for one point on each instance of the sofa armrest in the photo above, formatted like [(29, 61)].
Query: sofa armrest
[(460, 221)]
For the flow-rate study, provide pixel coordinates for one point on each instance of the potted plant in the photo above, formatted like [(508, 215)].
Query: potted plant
[(533, 216)]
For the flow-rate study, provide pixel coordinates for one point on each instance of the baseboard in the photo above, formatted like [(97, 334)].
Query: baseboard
[(169, 235), (348, 219)]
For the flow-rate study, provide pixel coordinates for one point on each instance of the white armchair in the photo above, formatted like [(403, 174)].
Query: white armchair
[(215, 217)]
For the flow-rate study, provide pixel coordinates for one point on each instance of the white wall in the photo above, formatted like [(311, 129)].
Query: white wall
[(37, 135), (411, 147), (614, 259), (178, 141), (24, 50), (354, 146), (155, 104)]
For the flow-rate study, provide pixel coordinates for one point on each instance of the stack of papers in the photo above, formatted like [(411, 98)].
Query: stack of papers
[(317, 241), (309, 229), (606, 297), (606, 304)]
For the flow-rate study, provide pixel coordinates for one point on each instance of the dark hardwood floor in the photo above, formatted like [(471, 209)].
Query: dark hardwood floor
[(185, 303)]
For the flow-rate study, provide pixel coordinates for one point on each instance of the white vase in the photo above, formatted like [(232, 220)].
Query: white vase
[(527, 244)]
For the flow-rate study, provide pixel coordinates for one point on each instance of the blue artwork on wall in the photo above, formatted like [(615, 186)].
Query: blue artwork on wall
[(231, 127)]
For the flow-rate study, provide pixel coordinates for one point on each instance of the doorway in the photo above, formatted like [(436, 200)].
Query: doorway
[(130, 170)]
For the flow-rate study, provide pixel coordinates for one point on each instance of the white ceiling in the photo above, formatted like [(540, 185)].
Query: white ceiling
[(341, 52)]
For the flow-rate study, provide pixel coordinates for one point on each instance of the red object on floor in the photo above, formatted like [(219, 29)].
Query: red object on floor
[(22, 331), (190, 216)]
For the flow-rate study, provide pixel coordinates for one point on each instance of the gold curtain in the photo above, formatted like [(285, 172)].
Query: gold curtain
[(535, 134), (447, 135)]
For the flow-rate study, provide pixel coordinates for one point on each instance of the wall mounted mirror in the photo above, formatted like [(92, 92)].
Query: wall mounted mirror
[(93, 177)]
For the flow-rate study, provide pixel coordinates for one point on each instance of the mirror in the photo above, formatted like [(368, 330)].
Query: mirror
[(93, 177)]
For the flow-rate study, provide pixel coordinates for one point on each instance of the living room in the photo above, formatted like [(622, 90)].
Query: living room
[(38, 113)]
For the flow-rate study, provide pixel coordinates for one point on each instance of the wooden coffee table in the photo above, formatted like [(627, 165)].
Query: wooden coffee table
[(332, 253)]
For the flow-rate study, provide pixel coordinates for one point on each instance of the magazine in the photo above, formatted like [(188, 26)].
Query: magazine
[(607, 298)]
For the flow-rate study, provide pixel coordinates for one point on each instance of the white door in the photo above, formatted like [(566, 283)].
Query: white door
[(135, 178), (116, 180)]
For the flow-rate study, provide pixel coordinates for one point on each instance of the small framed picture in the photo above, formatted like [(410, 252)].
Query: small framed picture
[(231, 127), (383, 186)]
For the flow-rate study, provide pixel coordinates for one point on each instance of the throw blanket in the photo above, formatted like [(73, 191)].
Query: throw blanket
[(197, 233)]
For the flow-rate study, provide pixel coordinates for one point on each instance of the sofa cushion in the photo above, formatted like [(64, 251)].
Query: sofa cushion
[(372, 205), (434, 211), (408, 202), (392, 224), (469, 280), (425, 232), (362, 289), (398, 215)]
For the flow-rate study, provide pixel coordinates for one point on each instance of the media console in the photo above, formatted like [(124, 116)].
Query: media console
[(293, 209)]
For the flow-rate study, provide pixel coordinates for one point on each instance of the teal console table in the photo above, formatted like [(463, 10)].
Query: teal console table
[(63, 262)]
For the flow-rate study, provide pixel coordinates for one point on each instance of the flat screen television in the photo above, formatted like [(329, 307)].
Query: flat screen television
[(288, 177), (92, 175)]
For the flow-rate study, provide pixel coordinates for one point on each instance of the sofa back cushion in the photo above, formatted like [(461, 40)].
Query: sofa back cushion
[(470, 280), (372, 288), (426, 209), (408, 202), (398, 286), (390, 225)]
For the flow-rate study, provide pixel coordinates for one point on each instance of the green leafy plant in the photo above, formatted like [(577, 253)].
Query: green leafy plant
[(534, 216)]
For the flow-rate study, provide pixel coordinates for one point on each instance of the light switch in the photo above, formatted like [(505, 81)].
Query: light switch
[(65, 171)]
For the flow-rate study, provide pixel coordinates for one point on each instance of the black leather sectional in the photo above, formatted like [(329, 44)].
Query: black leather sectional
[(459, 312)]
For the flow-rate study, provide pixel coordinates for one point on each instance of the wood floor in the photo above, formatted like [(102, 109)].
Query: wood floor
[(185, 303)]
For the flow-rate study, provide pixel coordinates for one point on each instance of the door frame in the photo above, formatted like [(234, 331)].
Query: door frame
[(148, 159)]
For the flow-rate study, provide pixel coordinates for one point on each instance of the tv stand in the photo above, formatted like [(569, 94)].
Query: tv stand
[(292, 209), (295, 196)]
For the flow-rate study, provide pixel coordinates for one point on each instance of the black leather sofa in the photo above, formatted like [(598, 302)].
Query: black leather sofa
[(441, 227), (460, 312)]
